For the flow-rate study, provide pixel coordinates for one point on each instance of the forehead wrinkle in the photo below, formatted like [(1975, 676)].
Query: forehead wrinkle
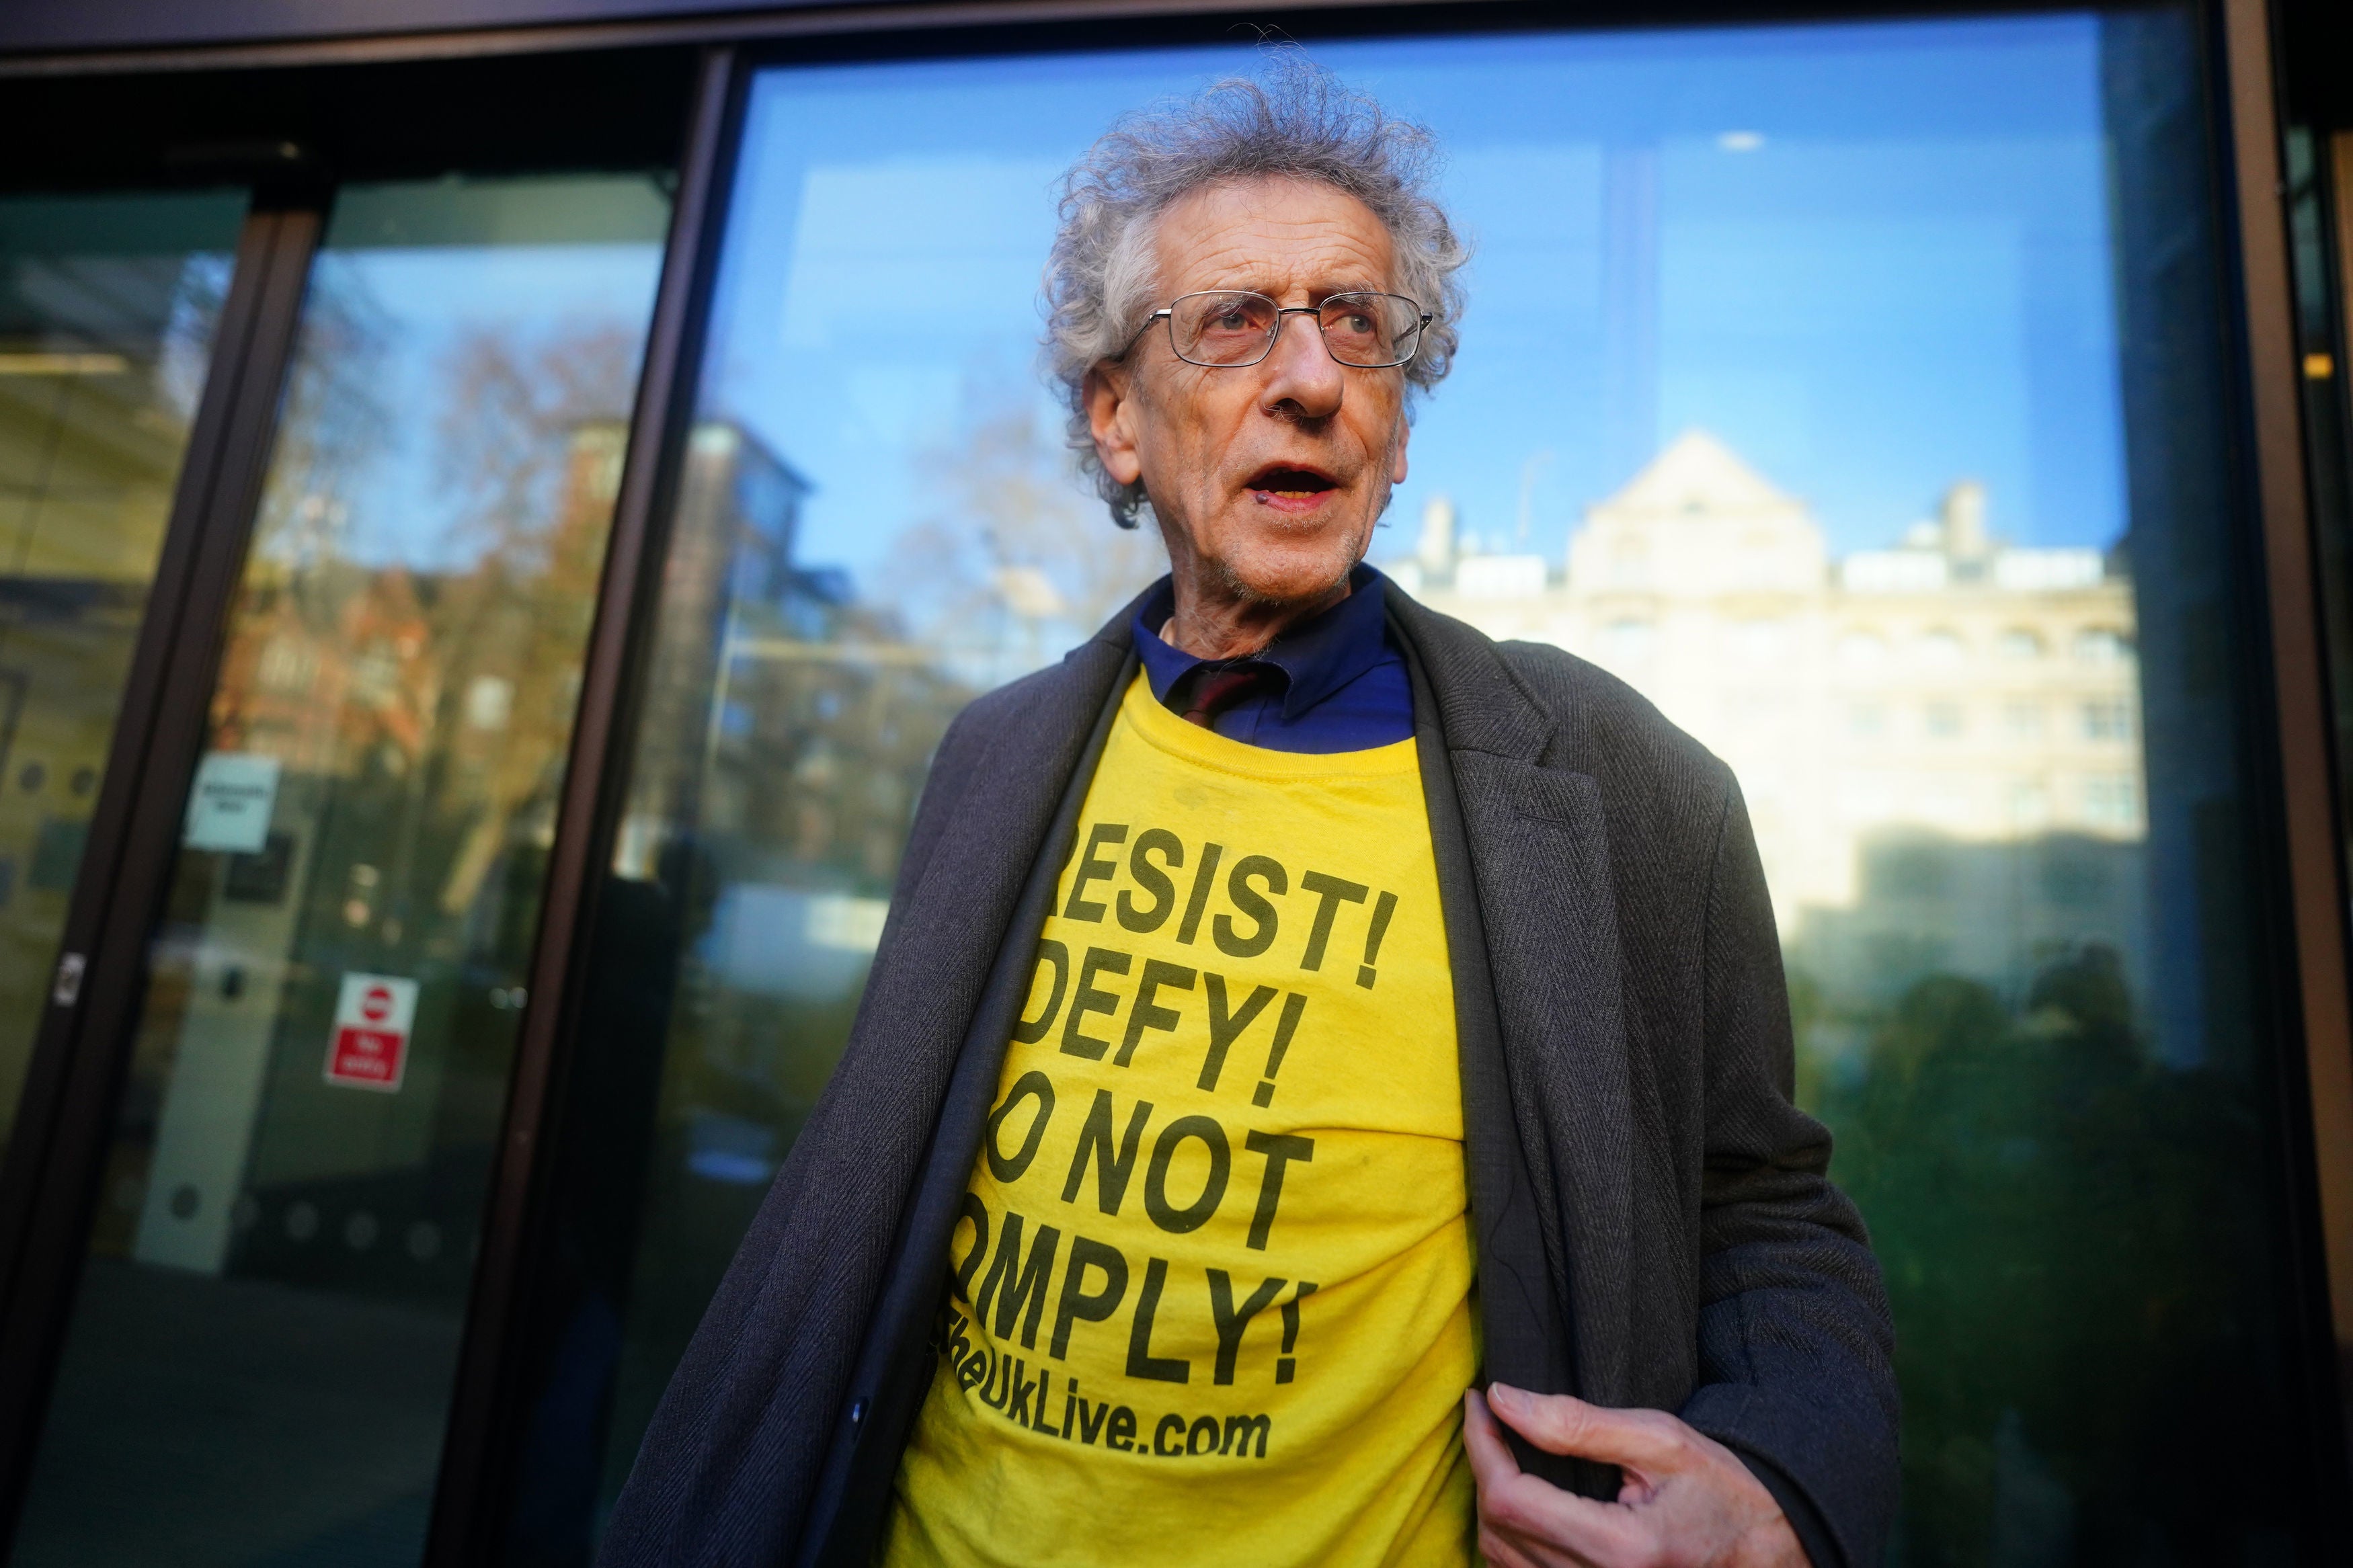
[(1234, 257), (1343, 247)]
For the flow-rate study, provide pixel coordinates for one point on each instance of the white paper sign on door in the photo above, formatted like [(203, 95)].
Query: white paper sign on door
[(369, 1049), (230, 805)]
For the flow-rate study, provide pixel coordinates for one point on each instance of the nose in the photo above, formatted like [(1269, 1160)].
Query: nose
[(1302, 380)]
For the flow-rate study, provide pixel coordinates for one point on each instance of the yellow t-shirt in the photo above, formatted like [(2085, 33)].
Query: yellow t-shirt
[(1211, 1288)]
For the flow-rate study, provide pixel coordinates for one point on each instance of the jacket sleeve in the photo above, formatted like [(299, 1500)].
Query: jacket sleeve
[(1796, 1345)]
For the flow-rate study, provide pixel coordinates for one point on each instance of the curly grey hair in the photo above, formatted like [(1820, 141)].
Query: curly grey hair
[(1300, 123)]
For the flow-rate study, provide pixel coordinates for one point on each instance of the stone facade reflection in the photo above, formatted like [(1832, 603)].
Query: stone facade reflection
[(1939, 742)]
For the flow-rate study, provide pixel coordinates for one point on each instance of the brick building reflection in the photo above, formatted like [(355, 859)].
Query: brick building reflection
[(420, 715)]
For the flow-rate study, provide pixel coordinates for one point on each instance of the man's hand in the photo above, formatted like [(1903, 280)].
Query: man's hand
[(1688, 1502)]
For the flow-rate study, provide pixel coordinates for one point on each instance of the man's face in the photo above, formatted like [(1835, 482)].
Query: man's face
[(1267, 480)]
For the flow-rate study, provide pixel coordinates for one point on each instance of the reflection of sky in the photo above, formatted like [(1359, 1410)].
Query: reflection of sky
[(1902, 280), (428, 299)]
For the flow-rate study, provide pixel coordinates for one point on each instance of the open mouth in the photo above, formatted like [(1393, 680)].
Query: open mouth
[(1289, 484)]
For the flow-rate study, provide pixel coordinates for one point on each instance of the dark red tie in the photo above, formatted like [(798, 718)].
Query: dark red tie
[(1212, 691)]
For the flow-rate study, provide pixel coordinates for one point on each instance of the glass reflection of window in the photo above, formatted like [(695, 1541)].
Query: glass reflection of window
[(1942, 649), (1862, 650), (1626, 642), (1944, 802), (2020, 646), (2101, 646), (2111, 801), (2107, 720), (2022, 719), (1946, 721), (1759, 641), (1866, 796)]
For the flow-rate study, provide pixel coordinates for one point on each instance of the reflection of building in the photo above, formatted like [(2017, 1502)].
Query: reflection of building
[(738, 512), (1904, 708), (799, 723), (435, 700)]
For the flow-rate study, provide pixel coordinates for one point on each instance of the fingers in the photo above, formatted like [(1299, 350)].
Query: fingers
[(1497, 1551), (1649, 1441), (1686, 1498), (1491, 1457), (1524, 1521), (1544, 1524)]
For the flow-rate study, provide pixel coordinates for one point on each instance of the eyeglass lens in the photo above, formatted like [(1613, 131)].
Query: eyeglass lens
[(1369, 332)]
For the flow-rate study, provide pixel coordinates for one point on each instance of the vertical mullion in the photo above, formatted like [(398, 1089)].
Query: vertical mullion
[(2305, 763), (67, 1113), (486, 1417), (94, 879)]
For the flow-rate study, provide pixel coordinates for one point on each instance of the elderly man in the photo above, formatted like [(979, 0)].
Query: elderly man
[(1298, 1014)]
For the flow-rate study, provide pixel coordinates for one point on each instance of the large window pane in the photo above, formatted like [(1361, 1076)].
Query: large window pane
[(1851, 391), (262, 1352), (107, 305)]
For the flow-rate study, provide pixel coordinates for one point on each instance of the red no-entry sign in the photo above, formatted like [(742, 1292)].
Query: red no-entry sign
[(369, 1048)]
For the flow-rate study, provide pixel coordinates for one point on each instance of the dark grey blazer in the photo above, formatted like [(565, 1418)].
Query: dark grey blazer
[(1654, 1223)]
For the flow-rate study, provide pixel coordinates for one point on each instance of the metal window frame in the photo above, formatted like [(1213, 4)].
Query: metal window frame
[(2314, 938), (318, 38), (488, 1410), (50, 1178), (48, 1188)]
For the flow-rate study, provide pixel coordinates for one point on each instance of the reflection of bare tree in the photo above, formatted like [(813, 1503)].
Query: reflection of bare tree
[(334, 419), (530, 449), (450, 690), (299, 589), (1018, 552), (185, 355), (508, 409)]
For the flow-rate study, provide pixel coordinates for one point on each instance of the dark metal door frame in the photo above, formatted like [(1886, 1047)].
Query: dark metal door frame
[(2318, 1109), (489, 1408), (50, 1174), (48, 1183)]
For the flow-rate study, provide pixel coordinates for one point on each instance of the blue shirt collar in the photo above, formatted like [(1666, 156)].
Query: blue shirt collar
[(1317, 657)]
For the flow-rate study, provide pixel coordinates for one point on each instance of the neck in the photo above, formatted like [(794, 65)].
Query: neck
[(1217, 621)]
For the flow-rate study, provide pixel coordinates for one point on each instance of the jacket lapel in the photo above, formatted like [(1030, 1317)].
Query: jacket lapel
[(1539, 857)]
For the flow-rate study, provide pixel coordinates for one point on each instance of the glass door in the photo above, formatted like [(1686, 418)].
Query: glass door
[(109, 309), (262, 1350)]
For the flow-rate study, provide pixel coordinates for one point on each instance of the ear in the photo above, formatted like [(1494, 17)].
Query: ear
[(1396, 450), (1110, 420)]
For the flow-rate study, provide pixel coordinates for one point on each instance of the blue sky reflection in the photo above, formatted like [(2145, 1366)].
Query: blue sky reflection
[(1873, 260)]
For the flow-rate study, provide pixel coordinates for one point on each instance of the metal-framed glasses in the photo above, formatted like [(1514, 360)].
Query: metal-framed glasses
[(1228, 328)]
